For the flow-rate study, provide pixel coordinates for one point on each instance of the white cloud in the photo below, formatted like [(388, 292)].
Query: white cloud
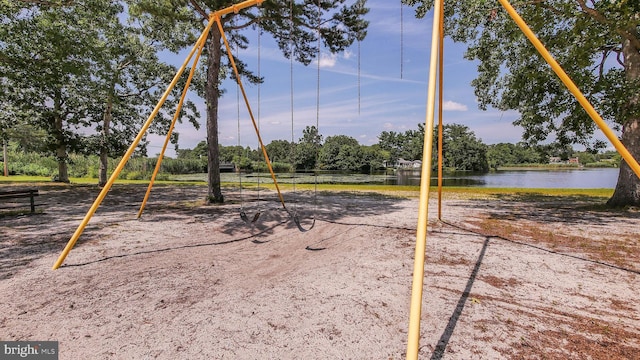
[(327, 60), (453, 106), (347, 54)]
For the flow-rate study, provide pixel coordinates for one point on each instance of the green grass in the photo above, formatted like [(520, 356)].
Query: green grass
[(604, 193), (407, 191)]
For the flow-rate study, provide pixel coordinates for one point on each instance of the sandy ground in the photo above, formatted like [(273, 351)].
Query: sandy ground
[(505, 278)]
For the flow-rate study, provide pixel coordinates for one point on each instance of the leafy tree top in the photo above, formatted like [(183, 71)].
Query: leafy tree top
[(595, 42)]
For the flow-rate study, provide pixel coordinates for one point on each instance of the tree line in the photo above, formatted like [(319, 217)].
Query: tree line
[(462, 151)]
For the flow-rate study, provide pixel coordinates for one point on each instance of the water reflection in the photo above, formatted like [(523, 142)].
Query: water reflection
[(601, 178), (412, 178), (544, 179)]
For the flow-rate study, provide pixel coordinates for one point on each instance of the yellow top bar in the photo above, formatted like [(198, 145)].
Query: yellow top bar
[(235, 8)]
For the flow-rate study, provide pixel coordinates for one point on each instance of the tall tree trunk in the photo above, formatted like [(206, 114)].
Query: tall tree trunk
[(61, 144), (4, 158), (627, 192), (61, 151), (212, 93), (104, 146)]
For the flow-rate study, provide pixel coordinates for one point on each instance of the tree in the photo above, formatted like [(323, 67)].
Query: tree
[(407, 145), (512, 154), (128, 74), (393, 143), (341, 152), (279, 151), (197, 152), (461, 150), (295, 27), (44, 68), (414, 143), (373, 157), (307, 150), (597, 43), (88, 84), (501, 154)]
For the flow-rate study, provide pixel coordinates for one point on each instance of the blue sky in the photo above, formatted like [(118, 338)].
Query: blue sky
[(387, 102)]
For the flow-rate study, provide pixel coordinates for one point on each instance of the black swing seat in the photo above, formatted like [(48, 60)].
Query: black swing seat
[(245, 218), (296, 220)]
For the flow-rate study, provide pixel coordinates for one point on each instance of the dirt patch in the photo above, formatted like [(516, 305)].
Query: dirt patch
[(505, 278)]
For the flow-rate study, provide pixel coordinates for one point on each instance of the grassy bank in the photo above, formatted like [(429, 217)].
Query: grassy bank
[(408, 191)]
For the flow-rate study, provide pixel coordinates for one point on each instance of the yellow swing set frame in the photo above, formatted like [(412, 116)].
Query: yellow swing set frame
[(435, 75)]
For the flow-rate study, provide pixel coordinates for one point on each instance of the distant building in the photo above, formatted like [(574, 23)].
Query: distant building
[(558, 160), (402, 163)]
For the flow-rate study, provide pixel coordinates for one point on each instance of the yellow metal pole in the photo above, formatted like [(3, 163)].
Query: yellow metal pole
[(235, 8), (253, 121), (173, 123), (125, 158), (425, 177), (572, 88), (440, 95)]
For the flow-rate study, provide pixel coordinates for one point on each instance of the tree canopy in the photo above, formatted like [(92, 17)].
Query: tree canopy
[(296, 26), (596, 42), (87, 84)]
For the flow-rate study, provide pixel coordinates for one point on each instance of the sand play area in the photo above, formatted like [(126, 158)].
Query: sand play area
[(506, 277)]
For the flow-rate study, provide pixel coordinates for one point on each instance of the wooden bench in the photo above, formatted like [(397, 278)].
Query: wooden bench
[(16, 194)]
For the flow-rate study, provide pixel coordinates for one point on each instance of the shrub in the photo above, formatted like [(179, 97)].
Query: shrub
[(136, 175)]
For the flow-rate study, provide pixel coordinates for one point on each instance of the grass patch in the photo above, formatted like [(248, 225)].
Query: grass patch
[(450, 192), (619, 250)]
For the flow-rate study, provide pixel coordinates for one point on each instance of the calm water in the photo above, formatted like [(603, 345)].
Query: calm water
[(543, 179), (570, 178)]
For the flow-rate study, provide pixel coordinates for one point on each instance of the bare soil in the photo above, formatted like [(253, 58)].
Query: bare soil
[(506, 277)]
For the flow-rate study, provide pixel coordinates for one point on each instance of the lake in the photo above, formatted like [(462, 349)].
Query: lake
[(598, 178)]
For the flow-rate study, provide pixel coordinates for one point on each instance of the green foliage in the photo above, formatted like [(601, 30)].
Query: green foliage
[(278, 167), (307, 150), (340, 152), (373, 158), (506, 154), (461, 150), (199, 152), (407, 145), (79, 85), (279, 151), (587, 39), (184, 166)]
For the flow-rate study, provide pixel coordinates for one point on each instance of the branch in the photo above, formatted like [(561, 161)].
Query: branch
[(124, 65), (141, 91), (238, 27), (619, 58), (628, 35), (136, 94), (199, 9), (605, 55), (593, 12)]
